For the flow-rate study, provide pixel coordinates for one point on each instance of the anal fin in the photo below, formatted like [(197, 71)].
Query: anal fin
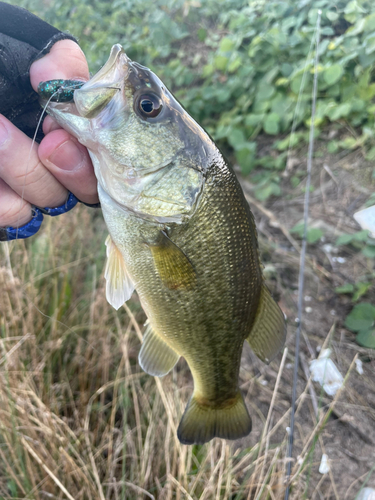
[(267, 335), (156, 357), (119, 287), (172, 265)]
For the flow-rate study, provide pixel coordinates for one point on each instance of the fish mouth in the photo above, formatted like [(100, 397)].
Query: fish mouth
[(117, 57), (94, 95)]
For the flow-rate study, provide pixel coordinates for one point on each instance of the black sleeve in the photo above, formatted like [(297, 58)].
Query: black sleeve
[(24, 38)]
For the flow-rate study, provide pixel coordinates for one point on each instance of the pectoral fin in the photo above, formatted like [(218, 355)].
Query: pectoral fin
[(172, 265), (156, 357), (119, 285), (268, 333)]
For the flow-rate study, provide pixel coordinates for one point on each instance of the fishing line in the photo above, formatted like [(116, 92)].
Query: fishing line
[(29, 156), (6, 243), (301, 277), (59, 90), (300, 93)]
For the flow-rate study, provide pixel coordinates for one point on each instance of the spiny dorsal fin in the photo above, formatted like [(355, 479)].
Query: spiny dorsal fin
[(119, 285), (268, 333), (156, 357), (172, 265)]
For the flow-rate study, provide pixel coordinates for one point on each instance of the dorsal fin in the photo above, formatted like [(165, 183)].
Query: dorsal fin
[(119, 285)]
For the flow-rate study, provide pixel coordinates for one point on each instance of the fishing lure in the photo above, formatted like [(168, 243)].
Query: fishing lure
[(59, 90)]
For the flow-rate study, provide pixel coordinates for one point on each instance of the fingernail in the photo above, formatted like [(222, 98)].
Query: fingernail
[(3, 133), (68, 156)]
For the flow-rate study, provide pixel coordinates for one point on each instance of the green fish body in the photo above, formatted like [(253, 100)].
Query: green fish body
[(182, 235)]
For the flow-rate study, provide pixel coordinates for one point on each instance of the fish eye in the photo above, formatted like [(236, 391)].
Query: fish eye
[(149, 105)]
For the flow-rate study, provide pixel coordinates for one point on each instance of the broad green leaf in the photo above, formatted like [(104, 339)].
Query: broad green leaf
[(268, 190), (314, 234), (234, 65), (357, 104), (344, 239), (296, 84), (220, 62), (369, 251), (246, 157), (357, 28), (226, 45), (361, 235), (312, 16), (333, 73), (349, 143), (332, 147), (286, 69), (347, 288), (237, 138), (326, 31), (366, 61), (261, 106), (223, 94), (281, 81), (271, 124), (208, 70), (265, 92), (289, 141), (369, 22), (202, 33), (339, 111), (295, 181), (253, 120), (332, 16), (351, 7), (361, 317), (366, 338), (361, 289), (370, 45)]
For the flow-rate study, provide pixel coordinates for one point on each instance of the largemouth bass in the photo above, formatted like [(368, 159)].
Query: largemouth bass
[(182, 234)]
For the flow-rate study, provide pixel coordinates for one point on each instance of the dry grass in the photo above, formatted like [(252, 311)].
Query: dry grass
[(80, 420)]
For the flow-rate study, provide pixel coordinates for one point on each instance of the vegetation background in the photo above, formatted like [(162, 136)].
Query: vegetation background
[(78, 418)]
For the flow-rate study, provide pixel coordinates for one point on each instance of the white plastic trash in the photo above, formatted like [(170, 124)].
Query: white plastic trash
[(359, 366), (324, 371), (366, 494), (366, 219), (324, 464)]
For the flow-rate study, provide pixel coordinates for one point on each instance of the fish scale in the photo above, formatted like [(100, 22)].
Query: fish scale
[(193, 329), (182, 234)]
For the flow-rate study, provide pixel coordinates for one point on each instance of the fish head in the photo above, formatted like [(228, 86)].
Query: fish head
[(149, 155)]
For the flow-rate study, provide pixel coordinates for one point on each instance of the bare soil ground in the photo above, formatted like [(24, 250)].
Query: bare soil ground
[(341, 184)]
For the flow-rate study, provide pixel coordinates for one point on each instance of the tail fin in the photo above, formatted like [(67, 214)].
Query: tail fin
[(200, 424)]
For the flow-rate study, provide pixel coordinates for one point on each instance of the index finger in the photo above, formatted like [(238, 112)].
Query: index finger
[(65, 61), (65, 159)]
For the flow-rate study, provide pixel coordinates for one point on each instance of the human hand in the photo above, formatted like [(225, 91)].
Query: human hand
[(42, 175)]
